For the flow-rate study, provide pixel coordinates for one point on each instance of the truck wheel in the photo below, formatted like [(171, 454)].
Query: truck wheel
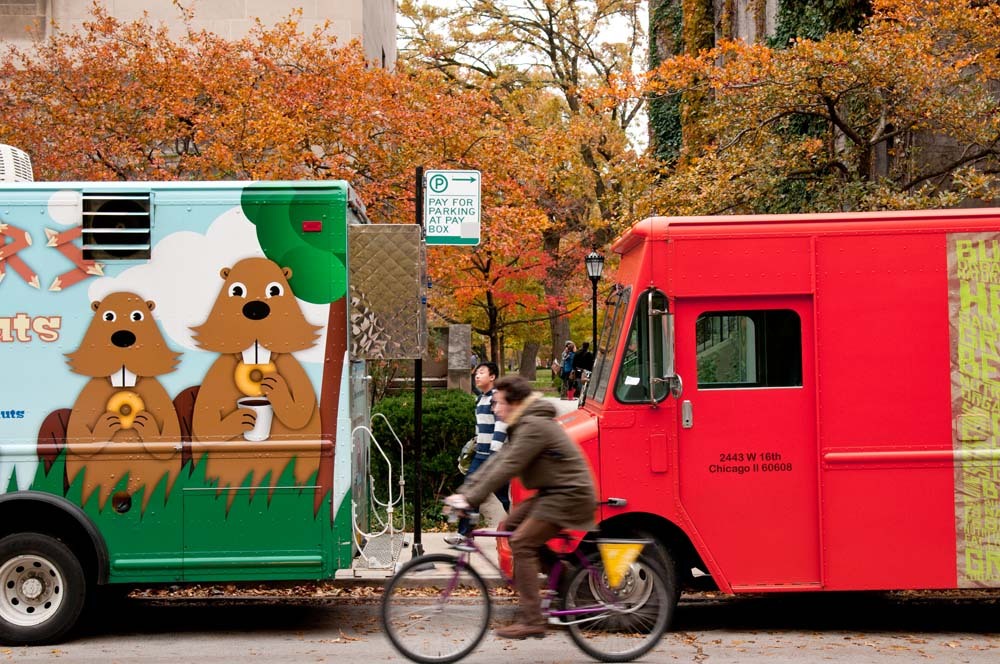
[(42, 589)]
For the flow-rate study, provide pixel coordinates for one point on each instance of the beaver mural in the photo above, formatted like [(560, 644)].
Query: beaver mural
[(256, 390), (123, 402)]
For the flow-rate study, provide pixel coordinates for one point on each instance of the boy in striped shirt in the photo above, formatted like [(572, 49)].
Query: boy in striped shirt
[(490, 436)]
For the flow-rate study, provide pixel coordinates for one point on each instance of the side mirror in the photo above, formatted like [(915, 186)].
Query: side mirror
[(667, 323), (660, 337)]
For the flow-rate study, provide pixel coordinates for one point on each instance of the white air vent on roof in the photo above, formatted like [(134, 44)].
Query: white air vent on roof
[(15, 165)]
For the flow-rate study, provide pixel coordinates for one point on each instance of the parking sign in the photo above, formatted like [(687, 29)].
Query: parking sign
[(452, 207)]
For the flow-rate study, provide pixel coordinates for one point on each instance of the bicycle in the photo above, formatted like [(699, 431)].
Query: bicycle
[(614, 613)]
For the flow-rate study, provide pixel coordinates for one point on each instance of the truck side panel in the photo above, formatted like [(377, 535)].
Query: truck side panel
[(175, 363)]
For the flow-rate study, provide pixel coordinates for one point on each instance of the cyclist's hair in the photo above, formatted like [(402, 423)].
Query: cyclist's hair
[(515, 388), (490, 367)]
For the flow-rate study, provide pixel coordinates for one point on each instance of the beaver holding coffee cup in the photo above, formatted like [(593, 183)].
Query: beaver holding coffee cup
[(256, 390)]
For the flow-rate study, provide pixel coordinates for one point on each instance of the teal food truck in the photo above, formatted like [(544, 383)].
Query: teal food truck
[(183, 392)]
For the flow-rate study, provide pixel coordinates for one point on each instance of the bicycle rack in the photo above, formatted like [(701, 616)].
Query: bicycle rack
[(380, 549)]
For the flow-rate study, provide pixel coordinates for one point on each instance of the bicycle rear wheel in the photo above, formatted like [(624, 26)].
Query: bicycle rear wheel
[(626, 622), (436, 609)]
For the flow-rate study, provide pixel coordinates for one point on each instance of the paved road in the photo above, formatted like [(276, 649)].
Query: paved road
[(805, 629)]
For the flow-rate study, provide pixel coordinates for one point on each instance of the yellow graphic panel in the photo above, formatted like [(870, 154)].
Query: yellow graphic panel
[(974, 309)]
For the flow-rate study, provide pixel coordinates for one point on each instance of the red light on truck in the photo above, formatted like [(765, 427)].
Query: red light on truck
[(312, 226)]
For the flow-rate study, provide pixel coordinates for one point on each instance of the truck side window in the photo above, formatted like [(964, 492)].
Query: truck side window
[(749, 349), (633, 383)]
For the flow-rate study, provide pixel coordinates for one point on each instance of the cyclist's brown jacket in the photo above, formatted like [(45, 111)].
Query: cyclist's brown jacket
[(543, 457)]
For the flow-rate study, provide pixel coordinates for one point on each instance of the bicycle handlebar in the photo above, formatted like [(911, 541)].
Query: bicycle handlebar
[(453, 514)]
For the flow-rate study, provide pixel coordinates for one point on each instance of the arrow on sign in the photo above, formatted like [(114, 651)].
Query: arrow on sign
[(464, 179)]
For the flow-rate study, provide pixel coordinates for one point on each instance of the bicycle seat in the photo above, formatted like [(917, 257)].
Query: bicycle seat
[(566, 541)]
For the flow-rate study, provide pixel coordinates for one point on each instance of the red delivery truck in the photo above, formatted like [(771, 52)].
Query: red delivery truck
[(806, 402)]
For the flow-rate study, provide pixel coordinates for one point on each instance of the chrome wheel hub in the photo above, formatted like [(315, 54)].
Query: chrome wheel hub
[(31, 590)]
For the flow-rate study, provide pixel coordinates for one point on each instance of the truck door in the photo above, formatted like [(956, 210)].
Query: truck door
[(747, 438)]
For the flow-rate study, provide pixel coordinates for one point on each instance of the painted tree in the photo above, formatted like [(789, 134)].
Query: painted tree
[(902, 113)]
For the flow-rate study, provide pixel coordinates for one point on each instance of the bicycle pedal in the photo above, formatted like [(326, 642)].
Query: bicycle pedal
[(463, 547)]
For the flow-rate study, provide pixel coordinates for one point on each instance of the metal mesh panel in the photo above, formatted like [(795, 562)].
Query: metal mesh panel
[(386, 267)]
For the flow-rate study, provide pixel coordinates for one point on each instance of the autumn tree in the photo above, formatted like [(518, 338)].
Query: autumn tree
[(902, 113), (551, 64), (127, 101), (496, 287)]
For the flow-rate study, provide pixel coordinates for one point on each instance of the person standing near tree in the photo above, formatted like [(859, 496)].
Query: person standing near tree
[(490, 436), (566, 387), (583, 361)]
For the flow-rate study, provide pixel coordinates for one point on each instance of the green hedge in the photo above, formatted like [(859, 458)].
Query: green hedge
[(449, 419)]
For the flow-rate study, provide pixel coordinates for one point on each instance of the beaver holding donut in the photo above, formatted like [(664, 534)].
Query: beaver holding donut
[(122, 352), (256, 390)]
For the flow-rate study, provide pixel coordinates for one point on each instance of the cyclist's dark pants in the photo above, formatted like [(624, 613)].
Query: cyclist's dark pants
[(530, 535)]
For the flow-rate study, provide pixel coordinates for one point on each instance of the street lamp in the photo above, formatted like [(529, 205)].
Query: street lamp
[(595, 266)]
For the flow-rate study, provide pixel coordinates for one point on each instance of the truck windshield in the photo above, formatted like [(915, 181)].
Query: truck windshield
[(635, 384), (614, 318)]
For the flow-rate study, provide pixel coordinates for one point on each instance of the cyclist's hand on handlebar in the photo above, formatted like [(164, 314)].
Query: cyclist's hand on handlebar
[(457, 501)]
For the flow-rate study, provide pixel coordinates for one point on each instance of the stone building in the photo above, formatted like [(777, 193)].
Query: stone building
[(373, 21)]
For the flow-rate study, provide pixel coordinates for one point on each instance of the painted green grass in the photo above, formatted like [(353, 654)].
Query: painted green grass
[(193, 520)]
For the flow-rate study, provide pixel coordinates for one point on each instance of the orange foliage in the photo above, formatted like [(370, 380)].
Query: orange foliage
[(902, 113), (127, 101)]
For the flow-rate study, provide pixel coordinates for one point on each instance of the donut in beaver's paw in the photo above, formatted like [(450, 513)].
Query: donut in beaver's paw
[(248, 377), (126, 405)]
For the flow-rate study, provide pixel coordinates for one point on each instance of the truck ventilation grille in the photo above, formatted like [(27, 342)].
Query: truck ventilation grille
[(116, 226)]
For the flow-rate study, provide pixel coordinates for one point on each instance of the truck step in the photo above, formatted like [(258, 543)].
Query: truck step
[(381, 552)]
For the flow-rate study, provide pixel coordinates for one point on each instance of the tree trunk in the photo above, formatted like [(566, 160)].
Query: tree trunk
[(493, 329), (555, 289), (560, 334), (529, 358)]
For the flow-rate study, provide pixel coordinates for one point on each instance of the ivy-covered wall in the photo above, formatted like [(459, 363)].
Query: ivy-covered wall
[(665, 41), (688, 26), (812, 19)]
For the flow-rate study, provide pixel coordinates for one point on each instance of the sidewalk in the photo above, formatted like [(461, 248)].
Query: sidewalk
[(432, 543)]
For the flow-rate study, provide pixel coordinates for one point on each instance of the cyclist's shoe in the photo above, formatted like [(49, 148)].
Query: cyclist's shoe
[(521, 631), (454, 539)]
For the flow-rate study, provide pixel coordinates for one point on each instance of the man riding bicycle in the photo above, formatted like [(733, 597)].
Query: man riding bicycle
[(541, 455)]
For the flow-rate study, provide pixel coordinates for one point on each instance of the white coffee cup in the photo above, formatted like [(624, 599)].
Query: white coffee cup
[(264, 412)]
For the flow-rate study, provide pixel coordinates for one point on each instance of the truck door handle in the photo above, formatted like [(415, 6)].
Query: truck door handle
[(687, 416)]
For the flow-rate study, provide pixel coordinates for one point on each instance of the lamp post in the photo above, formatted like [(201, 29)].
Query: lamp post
[(595, 266)]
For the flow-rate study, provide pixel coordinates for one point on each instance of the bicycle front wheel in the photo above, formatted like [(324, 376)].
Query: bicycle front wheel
[(619, 624), (436, 609)]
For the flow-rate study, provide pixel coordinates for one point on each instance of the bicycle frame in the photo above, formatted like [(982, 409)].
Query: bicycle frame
[(561, 617)]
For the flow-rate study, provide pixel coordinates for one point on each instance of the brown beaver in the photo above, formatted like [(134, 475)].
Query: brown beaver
[(256, 324), (123, 402)]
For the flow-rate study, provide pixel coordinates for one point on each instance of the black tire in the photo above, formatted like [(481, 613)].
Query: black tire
[(443, 623), (42, 589), (634, 622)]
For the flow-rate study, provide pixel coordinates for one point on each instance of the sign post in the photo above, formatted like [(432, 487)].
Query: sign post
[(418, 410), (452, 204)]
